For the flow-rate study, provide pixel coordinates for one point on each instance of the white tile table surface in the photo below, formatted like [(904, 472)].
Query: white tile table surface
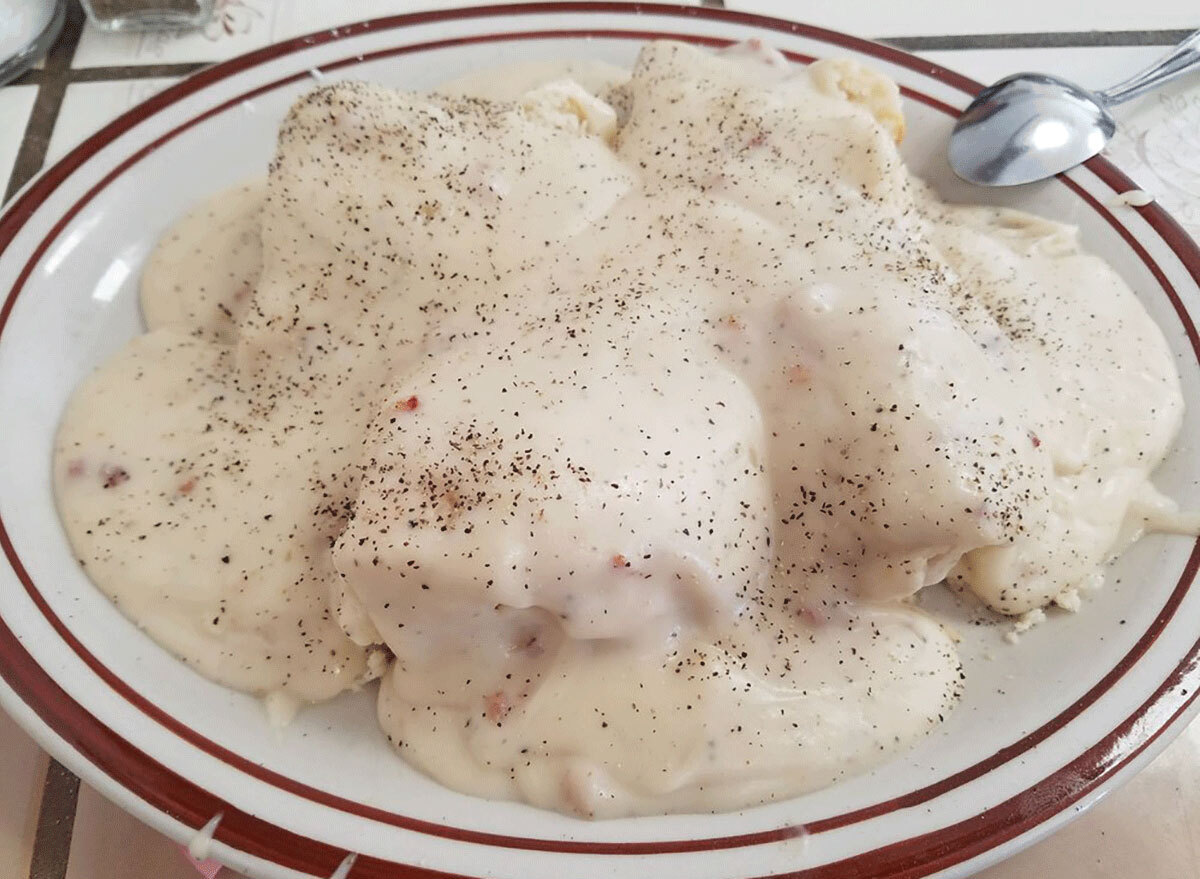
[(1150, 828), (15, 103)]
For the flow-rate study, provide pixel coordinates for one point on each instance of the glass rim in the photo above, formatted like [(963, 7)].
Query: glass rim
[(27, 56)]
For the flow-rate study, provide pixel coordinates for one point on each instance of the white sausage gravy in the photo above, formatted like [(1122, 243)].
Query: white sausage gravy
[(612, 420)]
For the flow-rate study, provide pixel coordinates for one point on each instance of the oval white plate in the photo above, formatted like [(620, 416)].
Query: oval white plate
[(1045, 729)]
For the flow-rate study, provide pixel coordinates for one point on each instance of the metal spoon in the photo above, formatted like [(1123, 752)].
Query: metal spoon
[(1031, 126)]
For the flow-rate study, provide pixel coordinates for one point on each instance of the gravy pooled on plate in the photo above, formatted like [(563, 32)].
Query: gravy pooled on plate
[(613, 425)]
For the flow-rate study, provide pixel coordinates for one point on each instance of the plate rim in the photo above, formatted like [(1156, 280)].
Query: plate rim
[(27, 200)]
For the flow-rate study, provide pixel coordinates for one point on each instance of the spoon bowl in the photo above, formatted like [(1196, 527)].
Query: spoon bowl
[(1031, 126), (1028, 127)]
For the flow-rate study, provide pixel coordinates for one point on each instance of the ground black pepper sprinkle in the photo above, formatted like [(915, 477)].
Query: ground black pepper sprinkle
[(579, 427)]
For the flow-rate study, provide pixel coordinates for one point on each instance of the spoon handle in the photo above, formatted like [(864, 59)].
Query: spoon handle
[(1181, 59)]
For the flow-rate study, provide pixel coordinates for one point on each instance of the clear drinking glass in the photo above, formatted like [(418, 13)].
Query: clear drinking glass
[(147, 15), (27, 29)]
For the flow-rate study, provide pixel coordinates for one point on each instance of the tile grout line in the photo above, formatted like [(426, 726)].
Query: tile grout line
[(1015, 40), (55, 825), (32, 76), (134, 72), (52, 85), (114, 73), (950, 42), (60, 792), (1042, 40)]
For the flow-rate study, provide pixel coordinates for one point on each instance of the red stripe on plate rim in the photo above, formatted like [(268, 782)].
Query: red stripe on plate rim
[(152, 781)]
